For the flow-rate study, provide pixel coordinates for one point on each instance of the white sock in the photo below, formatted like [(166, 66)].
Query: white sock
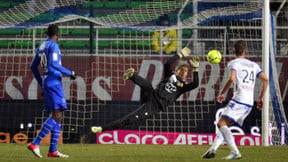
[(229, 138), (219, 139)]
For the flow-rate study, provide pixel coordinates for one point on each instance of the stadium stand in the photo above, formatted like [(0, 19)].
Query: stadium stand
[(78, 37)]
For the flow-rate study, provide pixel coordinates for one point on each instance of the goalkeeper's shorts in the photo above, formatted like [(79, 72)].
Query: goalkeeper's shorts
[(54, 98)]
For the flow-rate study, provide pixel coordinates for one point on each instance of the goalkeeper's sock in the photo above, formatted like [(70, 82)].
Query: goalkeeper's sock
[(55, 134), (45, 129), (219, 139), (229, 139)]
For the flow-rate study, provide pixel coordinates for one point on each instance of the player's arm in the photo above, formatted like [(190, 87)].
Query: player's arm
[(192, 85), (264, 85), (56, 63), (34, 68), (185, 52), (195, 63), (228, 84)]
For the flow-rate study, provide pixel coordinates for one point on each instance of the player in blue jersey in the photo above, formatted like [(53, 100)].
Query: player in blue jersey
[(48, 55)]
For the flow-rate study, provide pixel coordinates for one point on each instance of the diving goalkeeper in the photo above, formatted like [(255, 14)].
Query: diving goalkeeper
[(156, 100)]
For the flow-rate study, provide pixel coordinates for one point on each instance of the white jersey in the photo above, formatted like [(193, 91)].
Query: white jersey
[(246, 73)]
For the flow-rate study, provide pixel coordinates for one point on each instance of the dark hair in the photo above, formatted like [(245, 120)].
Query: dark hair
[(163, 18), (239, 47), (52, 30)]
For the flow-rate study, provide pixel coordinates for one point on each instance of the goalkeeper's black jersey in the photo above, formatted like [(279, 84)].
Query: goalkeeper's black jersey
[(172, 86)]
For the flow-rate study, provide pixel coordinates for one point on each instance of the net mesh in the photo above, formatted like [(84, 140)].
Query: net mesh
[(31, 8)]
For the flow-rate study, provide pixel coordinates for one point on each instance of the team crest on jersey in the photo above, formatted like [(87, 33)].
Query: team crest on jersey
[(55, 56), (170, 87)]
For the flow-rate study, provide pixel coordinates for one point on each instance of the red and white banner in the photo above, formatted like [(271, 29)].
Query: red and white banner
[(171, 138), (100, 78)]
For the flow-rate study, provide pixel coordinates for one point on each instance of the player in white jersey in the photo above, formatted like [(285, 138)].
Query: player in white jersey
[(244, 72)]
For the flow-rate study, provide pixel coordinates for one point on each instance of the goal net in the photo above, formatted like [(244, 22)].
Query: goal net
[(100, 40)]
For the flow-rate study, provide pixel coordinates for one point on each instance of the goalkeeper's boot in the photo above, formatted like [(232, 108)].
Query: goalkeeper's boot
[(95, 129), (128, 73), (57, 154), (35, 149), (209, 154), (233, 156)]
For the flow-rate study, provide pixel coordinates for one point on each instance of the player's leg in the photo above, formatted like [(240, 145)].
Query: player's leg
[(239, 114), (232, 113), (143, 83), (59, 106), (134, 118), (223, 124), (55, 134), (219, 139), (146, 87), (229, 116), (47, 126), (211, 152)]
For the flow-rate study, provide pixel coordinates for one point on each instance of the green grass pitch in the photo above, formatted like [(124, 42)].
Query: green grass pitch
[(139, 153)]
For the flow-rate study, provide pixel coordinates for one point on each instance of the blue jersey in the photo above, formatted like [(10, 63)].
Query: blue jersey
[(49, 56)]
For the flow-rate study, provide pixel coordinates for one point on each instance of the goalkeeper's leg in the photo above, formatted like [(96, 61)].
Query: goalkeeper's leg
[(146, 87), (134, 118), (143, 83)]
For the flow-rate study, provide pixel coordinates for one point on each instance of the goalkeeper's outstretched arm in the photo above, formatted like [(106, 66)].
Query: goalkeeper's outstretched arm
[(195, 63), (185, 52)]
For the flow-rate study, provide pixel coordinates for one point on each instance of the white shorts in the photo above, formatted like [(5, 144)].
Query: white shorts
[(236, 111)]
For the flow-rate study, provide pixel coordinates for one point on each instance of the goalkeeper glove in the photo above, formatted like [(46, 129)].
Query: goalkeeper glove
[(73, 75), (185, 52), (195, 62)]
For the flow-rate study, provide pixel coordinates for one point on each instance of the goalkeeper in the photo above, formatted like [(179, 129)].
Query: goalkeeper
[(156, 100)]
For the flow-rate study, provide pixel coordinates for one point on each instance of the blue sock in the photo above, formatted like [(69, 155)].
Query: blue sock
[(45, 129), (55, 134)]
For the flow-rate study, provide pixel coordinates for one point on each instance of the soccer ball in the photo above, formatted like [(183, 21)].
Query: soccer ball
[(214, 56)]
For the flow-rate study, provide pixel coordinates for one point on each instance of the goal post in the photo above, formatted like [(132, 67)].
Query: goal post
[(266, 40)]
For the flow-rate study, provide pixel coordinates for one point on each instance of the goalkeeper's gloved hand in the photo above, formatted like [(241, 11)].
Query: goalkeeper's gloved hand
[(73, 75), (185, 52), (195, 62)]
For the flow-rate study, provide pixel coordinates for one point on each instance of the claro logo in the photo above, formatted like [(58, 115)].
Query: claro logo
[(174, 138)]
